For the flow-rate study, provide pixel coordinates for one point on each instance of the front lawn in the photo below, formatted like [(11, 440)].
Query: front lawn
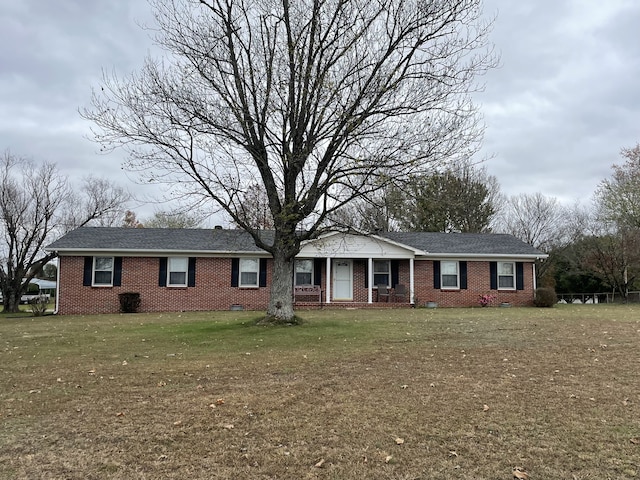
[(350, 394)]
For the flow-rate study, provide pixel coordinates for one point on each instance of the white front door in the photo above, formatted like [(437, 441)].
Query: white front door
[(342, 280)]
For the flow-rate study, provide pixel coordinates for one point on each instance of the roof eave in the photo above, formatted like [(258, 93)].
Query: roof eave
[(485, 256), (154, 252)]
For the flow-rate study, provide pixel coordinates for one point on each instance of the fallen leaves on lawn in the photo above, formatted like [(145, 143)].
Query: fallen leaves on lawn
[(520, 473)]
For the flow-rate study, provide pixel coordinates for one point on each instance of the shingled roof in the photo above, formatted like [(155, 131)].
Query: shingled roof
[(463, 243), (158, 240), (221, 241)]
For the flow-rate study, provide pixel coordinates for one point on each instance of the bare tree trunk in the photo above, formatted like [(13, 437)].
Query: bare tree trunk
[(11, 297), (280, 309)]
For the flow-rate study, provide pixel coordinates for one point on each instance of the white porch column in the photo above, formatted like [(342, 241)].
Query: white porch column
[(370, 280), (328, 281), (411, 282)]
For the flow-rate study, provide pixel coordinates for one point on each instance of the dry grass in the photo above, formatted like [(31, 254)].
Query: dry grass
[(393, 394)]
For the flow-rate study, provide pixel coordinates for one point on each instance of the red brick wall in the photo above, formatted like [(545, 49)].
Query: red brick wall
[(213, 289), (478, 283)]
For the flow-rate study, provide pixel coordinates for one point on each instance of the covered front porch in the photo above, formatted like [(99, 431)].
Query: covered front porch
[(348, 270)]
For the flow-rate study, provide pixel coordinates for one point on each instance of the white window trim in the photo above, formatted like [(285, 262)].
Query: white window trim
[(94, 270), (442, 274), (256, 271), (170, 270), (513, 275), (388, 272), (295, 273)]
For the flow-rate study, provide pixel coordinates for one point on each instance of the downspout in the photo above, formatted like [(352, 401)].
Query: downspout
[(411, 283), (55, 311)]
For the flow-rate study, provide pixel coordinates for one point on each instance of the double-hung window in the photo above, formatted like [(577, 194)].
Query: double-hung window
[(249, 268), (177, 271), (449, 275), (382, 272), (304, 272), (506, 275), (103, 271)]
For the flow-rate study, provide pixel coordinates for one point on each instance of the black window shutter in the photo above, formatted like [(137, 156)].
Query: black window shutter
[(88, 271), (162, 273), (493, 274), (117, 271), (235, 271), (463, 275), (191, 273), (519, 276), (366, 274), (317, 271), (436, 274), (262, 279), (395, 272)]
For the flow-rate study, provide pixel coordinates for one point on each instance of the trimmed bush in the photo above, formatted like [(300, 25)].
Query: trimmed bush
[(545, 297), (129, 302)]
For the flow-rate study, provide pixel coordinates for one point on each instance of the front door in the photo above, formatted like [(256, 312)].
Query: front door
[(342, 280)]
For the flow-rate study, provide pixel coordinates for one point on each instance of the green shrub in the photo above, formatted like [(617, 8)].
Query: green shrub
[(545, 297)]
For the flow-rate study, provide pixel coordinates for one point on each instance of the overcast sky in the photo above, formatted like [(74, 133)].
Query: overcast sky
[(564, 101)]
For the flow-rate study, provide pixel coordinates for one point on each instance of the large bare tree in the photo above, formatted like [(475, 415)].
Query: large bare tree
[(315, 100), (535, 219), (618, 197), (540, 221), (37, 204)]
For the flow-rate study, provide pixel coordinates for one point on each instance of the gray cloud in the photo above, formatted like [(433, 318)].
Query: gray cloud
[(563, 103), (558, 110)]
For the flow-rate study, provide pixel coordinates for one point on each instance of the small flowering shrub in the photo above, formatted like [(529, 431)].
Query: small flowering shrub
[(485, 300)]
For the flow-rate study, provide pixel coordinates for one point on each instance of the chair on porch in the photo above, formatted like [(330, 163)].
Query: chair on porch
[(383, 292), (400, 293)]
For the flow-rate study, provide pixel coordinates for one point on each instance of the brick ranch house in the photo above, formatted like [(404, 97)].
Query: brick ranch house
[(219, 269)]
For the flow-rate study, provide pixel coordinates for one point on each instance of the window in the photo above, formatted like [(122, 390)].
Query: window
[(449, 275), (506, 275), (304, 272), (103, 271), (382, 272), (177, 267), (249, 268)]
